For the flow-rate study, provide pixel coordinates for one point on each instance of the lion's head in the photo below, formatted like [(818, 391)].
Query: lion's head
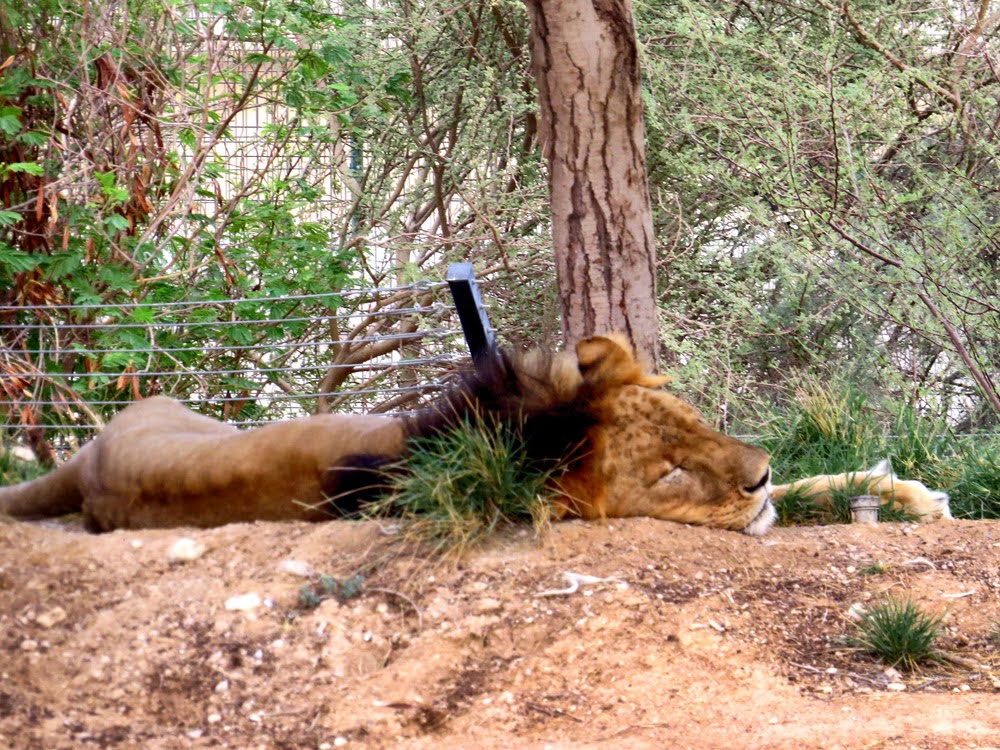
[(630, 448)]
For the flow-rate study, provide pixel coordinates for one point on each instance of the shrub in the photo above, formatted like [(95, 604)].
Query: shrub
[(898, 632)]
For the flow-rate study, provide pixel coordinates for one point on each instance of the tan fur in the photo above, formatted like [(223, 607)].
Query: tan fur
[(654, 455), (158, 464), (911, 496), (647, 453)]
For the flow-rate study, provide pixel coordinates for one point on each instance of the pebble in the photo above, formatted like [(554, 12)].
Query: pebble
[(487, 604), (243, 602), (896, 686), (29, 645), (856, 612), (299, 568), (53, 617), (185, 549)]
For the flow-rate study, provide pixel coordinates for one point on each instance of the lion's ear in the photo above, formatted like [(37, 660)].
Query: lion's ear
[(609, 361)]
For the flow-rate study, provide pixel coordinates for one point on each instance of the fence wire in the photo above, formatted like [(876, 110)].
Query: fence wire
[(247, 361)]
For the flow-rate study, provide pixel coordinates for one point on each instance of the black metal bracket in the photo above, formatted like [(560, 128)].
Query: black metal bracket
[(471, 312)]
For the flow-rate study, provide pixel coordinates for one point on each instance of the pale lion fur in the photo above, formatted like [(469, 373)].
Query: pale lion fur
[(911, 496)]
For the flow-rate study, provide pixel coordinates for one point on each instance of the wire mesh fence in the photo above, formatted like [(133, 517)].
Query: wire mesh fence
[(247, 361)]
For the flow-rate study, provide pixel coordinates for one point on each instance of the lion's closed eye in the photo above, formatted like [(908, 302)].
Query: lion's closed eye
[(673, 475)]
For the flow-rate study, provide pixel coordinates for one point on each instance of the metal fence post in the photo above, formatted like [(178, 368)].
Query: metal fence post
[(471, 312)]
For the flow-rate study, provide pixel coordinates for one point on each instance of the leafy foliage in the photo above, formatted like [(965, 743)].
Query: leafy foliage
[(823, 180)]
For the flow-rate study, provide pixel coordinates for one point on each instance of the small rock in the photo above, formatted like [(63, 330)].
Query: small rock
[(340, 742), (243, 602), (29, 645), (184, 550), (221, 687), (487, 605), (23, 453), (897, 686), (856, 612), (214, 718), (51, 618), (299, 568), (194, 734)]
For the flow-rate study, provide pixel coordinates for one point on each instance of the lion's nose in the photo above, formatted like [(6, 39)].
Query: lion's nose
[(763, 482)]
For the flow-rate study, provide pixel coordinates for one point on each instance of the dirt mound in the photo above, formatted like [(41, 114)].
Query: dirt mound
[(695, 638)]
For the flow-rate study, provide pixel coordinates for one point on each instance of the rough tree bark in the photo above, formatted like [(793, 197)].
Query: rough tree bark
[(585, 62)]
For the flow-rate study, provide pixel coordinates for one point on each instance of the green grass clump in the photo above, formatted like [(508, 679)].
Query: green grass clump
[(311, 595), (877, 568), (824, 429), (975, 490), (898, 632), (832, 427), (457, 488), (13, 470)]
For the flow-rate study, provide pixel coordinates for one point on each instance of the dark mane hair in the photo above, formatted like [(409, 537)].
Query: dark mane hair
[(536, 395)]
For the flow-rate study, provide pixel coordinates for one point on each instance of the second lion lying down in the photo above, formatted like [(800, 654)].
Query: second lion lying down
[(628, 447), (910, 496)]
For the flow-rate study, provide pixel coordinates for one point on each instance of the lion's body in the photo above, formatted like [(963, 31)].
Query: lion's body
[(158, 464), (910, 496), (630, 449)]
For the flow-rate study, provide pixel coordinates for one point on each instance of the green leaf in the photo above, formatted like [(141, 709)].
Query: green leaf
[(34, 138), (117, 221), (10, 120), (28, 167), (240, 334), (16, 261), (60, 265)]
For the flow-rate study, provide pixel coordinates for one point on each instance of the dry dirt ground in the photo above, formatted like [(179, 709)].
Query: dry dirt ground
[(703, 639)]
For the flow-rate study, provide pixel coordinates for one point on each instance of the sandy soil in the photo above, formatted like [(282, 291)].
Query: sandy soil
[(702, 639)]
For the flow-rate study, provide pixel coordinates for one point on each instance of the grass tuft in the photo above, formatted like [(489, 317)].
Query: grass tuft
[(798, 508), (898, 632), (13, 470), (877, 568), (311, 595), (456, 489), (831, 427)]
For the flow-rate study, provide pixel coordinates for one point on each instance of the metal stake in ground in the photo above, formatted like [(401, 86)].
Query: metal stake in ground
[(471, 312)]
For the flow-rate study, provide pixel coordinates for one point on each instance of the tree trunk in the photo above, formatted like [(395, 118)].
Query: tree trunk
[(586, 66)]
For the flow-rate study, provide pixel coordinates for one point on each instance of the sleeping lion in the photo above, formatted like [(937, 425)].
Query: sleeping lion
[(628, 448), (909, 495)]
